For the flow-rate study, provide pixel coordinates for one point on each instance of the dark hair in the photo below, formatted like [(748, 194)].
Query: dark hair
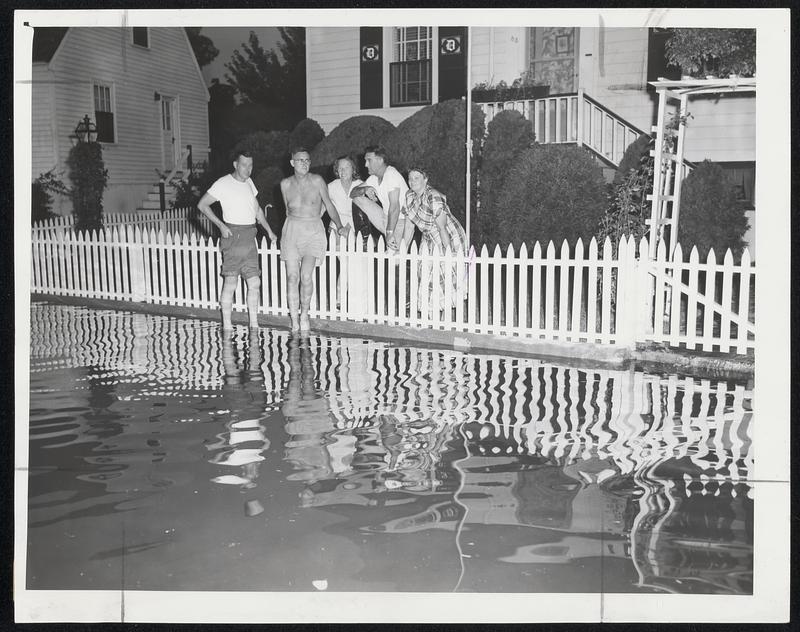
[(378, 150), (244, 153), (419, 169), (298, 149), (349, 159)]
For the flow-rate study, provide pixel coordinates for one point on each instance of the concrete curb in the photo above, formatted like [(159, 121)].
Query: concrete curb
[(584, 355)]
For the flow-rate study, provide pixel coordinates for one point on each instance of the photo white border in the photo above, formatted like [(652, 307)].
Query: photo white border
[(770, 601)]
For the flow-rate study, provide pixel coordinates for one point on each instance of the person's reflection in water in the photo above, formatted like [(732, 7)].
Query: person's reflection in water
[(244, 443), (308, 418)]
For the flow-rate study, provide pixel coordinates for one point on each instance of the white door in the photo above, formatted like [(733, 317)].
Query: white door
[(171, 147)]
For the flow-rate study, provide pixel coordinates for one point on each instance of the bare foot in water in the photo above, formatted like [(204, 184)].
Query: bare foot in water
[(305, 322)]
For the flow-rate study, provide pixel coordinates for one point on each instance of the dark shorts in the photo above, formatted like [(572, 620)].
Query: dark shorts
[(301, 238), (239, 252)]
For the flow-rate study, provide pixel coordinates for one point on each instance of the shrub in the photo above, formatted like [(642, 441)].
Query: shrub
[(635, 154), (351, 136), (700, 52), (710, 215), (509, 135), (307, 133), (269, 149), (89, 179), (477, 132), (41, 199), (268, 182), (554, 192), (188, 192)]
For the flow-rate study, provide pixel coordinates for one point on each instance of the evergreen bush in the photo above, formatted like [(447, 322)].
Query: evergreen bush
[(435, 137), (635, 154), (710, 215), (307, 133), (41, 199), (509, 135), (351, 136), (554, 192), (89, 179)]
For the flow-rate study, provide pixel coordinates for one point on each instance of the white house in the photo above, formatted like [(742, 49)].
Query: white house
[(394, 71), (143, 89)]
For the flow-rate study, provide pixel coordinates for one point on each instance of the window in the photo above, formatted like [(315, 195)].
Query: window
[(141, 36), (103, 113), (743, 176), (657, 56), (410, 73), (166, 114)]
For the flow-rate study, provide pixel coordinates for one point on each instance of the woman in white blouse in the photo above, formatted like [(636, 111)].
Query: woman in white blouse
[(339, 190), (344, 167)]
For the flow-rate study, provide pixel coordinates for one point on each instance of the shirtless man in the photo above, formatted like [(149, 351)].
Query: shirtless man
[(303, 238)]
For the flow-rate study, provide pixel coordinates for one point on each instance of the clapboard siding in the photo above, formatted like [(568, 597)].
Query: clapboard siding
[(498, 54), (43, 134), (722, 130), (332, 76), (107, 55)]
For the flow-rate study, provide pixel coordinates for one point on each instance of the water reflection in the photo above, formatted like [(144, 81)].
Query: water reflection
[(520, 470)]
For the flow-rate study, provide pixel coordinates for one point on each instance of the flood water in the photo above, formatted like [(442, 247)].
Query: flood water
[(166, 456)]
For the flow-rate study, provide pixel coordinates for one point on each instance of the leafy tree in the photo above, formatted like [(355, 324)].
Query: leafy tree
[(269, 149), (261, 76), (701, 52), (203, 47)]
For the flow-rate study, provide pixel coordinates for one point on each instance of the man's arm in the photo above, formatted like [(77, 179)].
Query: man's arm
[(261, 217), (330, 207), (204, 206), (392, 217)]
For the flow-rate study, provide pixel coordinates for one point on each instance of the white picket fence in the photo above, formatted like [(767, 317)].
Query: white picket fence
[(175, 220), (570, 294)]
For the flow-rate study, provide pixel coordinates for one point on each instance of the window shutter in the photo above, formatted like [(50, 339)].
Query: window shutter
[(452, 62), (371, 67)]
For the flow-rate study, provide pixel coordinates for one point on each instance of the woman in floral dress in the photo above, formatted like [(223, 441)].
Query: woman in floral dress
[(428, 210)]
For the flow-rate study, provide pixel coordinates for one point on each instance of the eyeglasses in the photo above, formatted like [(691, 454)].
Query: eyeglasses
[(303, 160)]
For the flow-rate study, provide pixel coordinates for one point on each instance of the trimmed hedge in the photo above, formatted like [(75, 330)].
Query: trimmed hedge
[(711, 216), (554, 192), (351, 136), (509, 135)]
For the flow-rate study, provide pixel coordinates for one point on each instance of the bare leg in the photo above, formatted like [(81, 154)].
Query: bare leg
[(253, 286), (306, 290), (226, 299), (293, 292)]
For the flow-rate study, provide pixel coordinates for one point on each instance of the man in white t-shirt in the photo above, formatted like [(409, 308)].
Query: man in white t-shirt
[(387, 186), (236, 193)]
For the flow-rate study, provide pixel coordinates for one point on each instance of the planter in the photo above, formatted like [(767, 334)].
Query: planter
[(498, 95)]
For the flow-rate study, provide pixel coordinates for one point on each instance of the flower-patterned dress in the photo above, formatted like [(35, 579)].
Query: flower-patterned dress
[(423, 210)]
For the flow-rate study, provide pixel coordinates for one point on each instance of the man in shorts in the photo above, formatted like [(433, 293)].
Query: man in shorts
[(303, 238), (236, 193), (386, 186)]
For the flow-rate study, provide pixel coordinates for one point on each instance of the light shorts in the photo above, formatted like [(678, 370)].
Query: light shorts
[(239, 251), (303, 237)]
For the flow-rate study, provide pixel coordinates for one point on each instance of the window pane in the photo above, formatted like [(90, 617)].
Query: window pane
[(140, 36)]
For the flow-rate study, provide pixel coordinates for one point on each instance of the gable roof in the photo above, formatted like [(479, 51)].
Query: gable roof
[(46, 40)]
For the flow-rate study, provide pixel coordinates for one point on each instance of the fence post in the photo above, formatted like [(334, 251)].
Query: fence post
[(136, 257), (162, 197), (629, 293)]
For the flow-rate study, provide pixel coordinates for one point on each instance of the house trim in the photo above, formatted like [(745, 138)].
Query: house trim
[(59, 48), (197, 66)]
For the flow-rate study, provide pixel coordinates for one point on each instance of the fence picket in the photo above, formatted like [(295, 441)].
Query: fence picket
[(605, 306), (549, 290), (675, 307), (725, 338), (577, 290), (710, 293)]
